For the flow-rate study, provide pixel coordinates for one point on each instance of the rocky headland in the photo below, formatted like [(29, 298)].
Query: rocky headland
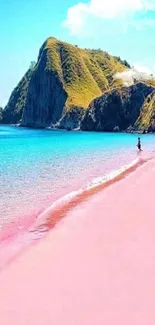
[(73, 88)]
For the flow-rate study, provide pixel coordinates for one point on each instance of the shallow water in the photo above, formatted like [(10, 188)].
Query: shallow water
[(39, 166)]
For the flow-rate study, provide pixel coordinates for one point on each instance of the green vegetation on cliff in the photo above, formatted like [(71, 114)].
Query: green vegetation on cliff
[(14, 110), (146, 120), (85, 73)]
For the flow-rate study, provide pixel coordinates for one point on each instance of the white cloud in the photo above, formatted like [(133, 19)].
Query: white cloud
[(103, 9), (76, 18), (139, 72)]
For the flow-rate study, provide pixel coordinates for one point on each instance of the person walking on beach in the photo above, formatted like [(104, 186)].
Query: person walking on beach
[(139, 145)]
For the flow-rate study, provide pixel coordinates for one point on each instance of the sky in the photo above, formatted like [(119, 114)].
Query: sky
[(125, 28)]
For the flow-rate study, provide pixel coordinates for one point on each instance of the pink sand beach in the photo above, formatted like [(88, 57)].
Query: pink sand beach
[(97, 266)]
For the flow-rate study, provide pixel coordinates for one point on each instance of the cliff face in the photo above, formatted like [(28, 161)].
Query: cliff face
[(46, 96), (64, 77), (117, 109)]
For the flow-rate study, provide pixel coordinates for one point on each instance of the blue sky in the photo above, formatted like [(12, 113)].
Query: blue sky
[(124, 27)]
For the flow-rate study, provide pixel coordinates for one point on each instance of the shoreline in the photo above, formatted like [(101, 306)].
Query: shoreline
[(13, 245), (49, 128), (96, 266)]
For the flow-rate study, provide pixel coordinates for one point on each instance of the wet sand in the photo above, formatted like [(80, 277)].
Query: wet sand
[(97, 266)]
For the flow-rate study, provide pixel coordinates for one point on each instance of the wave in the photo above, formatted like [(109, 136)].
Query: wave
[(57, 210)]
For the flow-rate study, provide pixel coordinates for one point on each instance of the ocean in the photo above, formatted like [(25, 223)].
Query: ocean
[(39, 167)]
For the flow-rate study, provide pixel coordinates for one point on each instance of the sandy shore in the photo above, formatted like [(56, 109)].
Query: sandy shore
[(97, 266)]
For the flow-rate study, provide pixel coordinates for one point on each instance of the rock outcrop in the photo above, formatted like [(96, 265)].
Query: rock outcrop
[(146, 120), (72, 88), (117, 109), (71, 119), (64, 77), (46, 96)]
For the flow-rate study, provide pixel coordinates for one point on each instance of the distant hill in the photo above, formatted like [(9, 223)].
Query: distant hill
[(65, 77)]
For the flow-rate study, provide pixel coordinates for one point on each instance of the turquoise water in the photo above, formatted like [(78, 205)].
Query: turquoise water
[(39, 166)]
